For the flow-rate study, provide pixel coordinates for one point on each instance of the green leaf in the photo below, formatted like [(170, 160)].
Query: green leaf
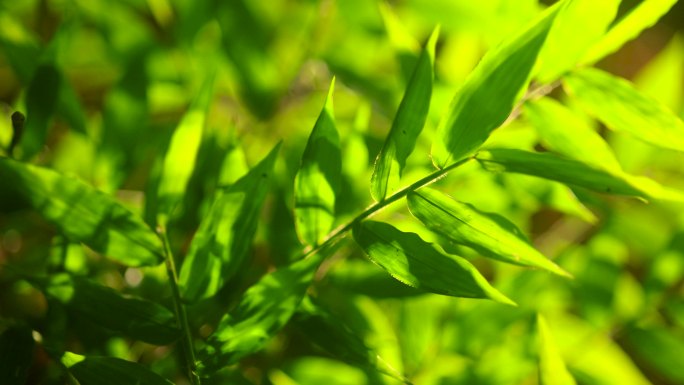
[(407, 125), (569, 135), (222, 243), (575, 173), (409, 259), (137, 318), (552, 370), (262, 311), (661, 349), (318, 179), (621, 107), (42, 97), (181, 155), (643, 16), (568, 42), (16, 355), (92, 370), (489, 94), (361, 277), (491, 235), (83, 214)]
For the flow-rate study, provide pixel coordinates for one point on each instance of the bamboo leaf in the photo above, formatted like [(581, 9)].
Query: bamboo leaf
[(660, 349), (137, 318), (643, 16), (552, 370), (222, 243), (407, 125), (621, 107), (492, 236), (16, 355), (489, 94), (409, 259), (317, 181), (83, 214), (575, 173), (569, 135), (262, 311), (93, 370), (42, 97)]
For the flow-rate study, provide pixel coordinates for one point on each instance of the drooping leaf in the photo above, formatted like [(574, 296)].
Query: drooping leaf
[(575, 173), (491, 235), (222, 243), (83, 214), (16, 355), (93, 370), (317, 181), (262, 311), (569, 135), (643, 16), (661, 349), (552, 370), (42, 97), (489, 94), (137, 318), (620, 107), (407, 125), (409, 259)]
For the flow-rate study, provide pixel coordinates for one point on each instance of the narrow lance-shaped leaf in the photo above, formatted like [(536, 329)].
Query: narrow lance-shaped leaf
[(93, 370), (491, 235), (262, 311), (575, 173), (552, 370), (489, 94), (83, 214), (42, 96), (660, 348), (407, 125), (222, 243), (566, 133), (16, 355), (317, 181), (616, 103), (643, 16), (137, 318), (409, 259)]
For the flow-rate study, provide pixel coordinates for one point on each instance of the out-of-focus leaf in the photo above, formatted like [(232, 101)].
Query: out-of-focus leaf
[(225, 236), (359, 276), (181, 155), (575, 173), (318, 179), (336, 338), (643, 16), (262, 311), (137, 318), (489, 94), (569, 135), (83, 214), (320, 370), (661, 349), (409, 259), (93, 370), (552, 370), (619, 106), (42, 97), (16, 355), (69, 107), (407, 125), (492, 236), (567, 42)]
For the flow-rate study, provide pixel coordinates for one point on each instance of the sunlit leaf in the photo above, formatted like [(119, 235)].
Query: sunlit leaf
[(552, 370), (93, 370), (409, 259), (661, 349), (491, 235), (643, 16), (262, 311), (489, 94), (16, 355), (223, 241), (407, 125), (359, 276), (620, 107), (83, 214), (137, 318)]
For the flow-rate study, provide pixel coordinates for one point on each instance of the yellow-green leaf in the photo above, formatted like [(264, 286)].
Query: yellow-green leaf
[(552, 370)]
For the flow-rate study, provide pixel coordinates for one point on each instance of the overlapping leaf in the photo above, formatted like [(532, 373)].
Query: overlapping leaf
[(94, 370), (83, 214), (487, 98), (409, 259), (552, 370), (492, 236), (407, 125)]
